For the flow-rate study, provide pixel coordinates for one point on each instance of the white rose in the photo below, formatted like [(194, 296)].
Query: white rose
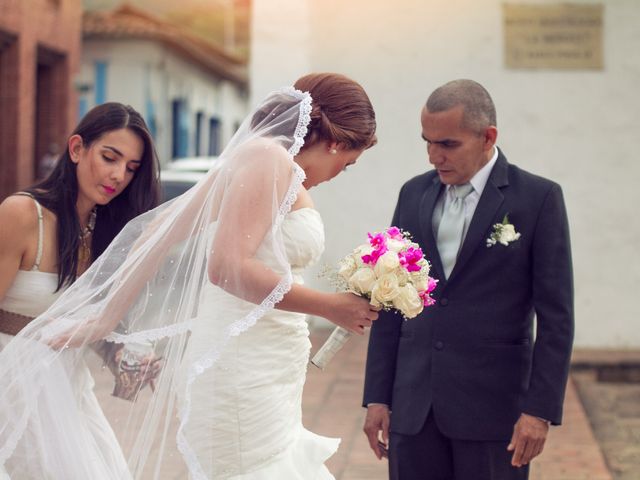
[(347, 267), (362, 281), (420, 281), (402, 275), (508, 234), (385, 290), (387, 263), (408, 302), (424, 266), (364, 249), (394, 245)]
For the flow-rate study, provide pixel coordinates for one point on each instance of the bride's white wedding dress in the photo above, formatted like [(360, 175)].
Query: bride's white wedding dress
[(252, 428)]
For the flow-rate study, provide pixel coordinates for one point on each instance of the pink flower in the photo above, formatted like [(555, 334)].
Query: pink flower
[(433, 283), (378, 242), (409, 259), (372, 259), (395, 233), (427, 299)]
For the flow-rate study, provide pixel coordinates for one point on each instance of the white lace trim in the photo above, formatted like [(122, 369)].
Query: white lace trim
[(150, 335), (207, 360), (303, 120)]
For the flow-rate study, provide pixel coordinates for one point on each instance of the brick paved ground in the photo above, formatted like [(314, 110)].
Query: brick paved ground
[(331, 407)]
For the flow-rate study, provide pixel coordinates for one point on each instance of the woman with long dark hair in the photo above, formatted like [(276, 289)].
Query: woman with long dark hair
[(107, 175), (53, 230)]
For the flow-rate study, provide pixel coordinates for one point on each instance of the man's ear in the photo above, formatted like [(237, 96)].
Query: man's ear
[(490, 137)]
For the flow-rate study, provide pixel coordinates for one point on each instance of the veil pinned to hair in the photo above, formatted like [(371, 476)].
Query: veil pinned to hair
[(147, 287)]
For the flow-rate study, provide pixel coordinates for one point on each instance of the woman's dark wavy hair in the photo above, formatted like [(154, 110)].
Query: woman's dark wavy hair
[(59, 191)]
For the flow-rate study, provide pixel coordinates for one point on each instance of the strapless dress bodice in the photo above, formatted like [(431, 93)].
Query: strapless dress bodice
[(303, 239)]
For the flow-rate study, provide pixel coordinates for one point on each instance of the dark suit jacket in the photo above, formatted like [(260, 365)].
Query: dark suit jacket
[(472, 357)]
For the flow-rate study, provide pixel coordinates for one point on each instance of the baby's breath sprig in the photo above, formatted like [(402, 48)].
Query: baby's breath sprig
[(330, 273)]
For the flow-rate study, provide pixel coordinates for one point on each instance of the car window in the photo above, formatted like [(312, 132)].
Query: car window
[(172, 190)]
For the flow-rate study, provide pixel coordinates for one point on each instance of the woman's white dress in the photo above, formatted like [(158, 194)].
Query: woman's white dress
[(31, 293), (251, 429)]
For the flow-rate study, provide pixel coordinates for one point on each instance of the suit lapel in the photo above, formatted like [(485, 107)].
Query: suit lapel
[(427, 206), (485, 212)]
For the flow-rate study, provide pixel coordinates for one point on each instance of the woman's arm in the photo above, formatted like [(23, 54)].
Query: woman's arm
[(19, 227), (244, 224)]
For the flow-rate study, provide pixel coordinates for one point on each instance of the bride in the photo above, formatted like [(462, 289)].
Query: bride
[(213, 281)]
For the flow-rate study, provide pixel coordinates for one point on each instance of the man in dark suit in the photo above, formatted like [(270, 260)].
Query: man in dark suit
[(466, 391)]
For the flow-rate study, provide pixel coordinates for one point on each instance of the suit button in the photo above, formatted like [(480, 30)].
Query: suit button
[(439, 345), (444, 302)]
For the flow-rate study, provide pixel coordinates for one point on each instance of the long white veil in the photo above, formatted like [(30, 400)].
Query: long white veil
[(147, 287)]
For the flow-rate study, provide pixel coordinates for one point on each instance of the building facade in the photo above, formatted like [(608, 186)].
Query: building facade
[(575, 125), (191, 93), (39, 57)]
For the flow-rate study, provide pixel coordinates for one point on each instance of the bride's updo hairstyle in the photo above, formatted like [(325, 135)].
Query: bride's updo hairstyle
[(341, 111)]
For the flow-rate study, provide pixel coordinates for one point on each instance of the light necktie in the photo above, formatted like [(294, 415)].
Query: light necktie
[(451, 227)]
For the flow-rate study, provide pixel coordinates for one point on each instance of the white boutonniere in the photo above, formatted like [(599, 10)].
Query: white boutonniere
[(503, 233)]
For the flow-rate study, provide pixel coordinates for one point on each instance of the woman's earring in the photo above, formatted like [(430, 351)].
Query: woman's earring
[(333, 151)]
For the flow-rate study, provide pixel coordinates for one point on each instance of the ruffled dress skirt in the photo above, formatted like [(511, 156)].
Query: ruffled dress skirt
[(245, 420)]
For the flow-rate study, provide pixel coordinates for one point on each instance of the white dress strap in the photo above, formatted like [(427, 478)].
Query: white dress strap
[(36, 265)]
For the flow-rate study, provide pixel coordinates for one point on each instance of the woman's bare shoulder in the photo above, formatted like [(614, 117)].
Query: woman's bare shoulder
[(20, 212), (265, 152)]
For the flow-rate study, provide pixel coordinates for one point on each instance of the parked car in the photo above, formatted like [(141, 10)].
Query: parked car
[(180, 175)]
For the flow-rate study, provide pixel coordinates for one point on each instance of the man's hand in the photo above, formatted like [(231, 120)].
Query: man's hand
[(527, 441), (377, 421)]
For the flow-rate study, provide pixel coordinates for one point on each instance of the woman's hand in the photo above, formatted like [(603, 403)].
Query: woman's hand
[(151, 367), (89, 332), (351, 312)]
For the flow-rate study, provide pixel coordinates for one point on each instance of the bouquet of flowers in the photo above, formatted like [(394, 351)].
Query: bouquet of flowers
[(390, 270)]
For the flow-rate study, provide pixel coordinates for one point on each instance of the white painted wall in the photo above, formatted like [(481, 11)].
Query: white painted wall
[(579, 128), (280, 44), (137, 68)]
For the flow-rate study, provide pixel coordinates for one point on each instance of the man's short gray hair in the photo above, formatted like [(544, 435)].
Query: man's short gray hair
[(479, 110)]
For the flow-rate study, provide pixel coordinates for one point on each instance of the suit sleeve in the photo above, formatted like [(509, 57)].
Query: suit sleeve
[(383, 348), (553, 303)]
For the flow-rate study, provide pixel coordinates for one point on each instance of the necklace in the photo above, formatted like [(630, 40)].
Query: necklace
[(84, 253)]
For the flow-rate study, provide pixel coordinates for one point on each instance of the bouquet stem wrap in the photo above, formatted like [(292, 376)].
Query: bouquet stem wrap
[(334, 343)]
